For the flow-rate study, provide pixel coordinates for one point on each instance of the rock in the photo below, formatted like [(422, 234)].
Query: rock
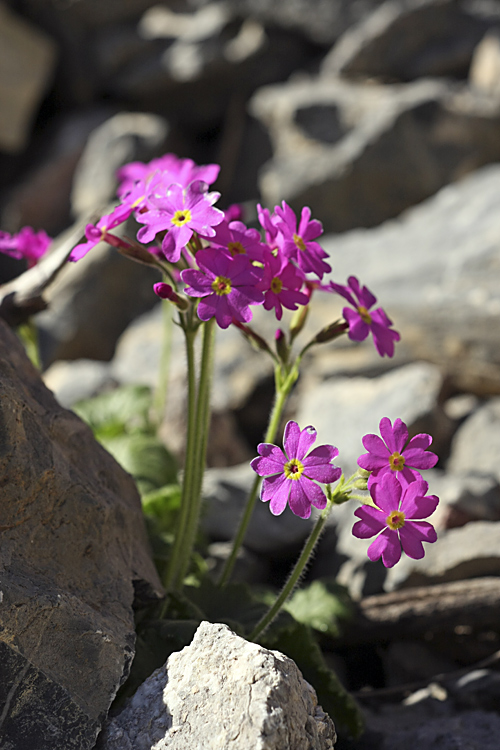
[(126, 137), (73, 554), (220, 692), (465, 497), (476, 444), (437, 275), (360, 154), (343, 410), (393, 42), (27, 61), (192, 66), (467, 552), (91, 303), (225, 492), (72, 381), (484, 73)]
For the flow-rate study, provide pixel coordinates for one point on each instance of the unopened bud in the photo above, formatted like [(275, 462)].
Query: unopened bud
[(165, 291), (331, 332)]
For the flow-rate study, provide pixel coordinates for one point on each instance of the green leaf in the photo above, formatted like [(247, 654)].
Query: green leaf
[(298, 642), (122, 410), (146, 458), (162, 505), (321, 604)]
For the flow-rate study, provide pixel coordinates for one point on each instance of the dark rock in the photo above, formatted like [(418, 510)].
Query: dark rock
[(27, 61), (360, 154), (73, 544), (394, 42)]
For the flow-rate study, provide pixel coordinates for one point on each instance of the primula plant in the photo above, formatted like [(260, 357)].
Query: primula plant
[(215, 270)]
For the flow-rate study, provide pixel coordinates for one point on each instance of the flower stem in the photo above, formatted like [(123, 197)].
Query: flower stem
[(283, 386), (295, 575), (197, 467), (160, 397), (174, 562)]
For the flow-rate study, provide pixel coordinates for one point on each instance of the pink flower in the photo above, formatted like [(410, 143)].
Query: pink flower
[(298, 242), (227, 286), (26, 244), (394, 454), (361, 321), (180, 211), (291, 474), (396, 520), (99, 232), (281, 283), (236, 239), (182, 171)]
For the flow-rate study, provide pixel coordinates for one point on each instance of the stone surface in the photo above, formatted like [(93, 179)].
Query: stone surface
[(347, 150), (476, 444), (484, 73), (27, 60), (467, 552), (73, 553), (436, 272), (222, 692), (72, 381), (126, 137), (393, 42)]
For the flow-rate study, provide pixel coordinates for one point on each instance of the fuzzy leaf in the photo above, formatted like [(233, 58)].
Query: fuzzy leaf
[(321, 604)]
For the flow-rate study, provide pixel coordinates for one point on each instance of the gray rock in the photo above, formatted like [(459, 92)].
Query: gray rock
[(474, 730), (220, 692), (343, 410), (225, 492), (393, 42), (91, 303), (27, 61), (476, 444), (126, 137), (484, 73), (73, 381), (467, 552), (464, 498), (73, 554), (435, 271), (348, 151)]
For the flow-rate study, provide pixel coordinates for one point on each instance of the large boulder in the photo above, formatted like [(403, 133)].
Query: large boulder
[(73, 558)]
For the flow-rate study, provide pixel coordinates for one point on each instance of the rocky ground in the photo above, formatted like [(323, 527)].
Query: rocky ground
[(384, 118)]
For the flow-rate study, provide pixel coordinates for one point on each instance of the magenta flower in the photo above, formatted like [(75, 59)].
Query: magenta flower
[(227, 286), (361, 321), (180, 211), (393, 453), (236, 239), (298, 242), (396, 520), (281, 284), (290, 475), (26, 244), (182, 171), (99, 232)]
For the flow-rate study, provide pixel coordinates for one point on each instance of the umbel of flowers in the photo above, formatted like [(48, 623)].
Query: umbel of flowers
[(215, 270)]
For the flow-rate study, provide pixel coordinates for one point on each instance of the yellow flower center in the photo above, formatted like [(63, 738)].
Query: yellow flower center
[(365, 315), (181, 217), (293, 469), (299, 242), (221, 285), (396, 461), (276, 285), (395, 520), (236, 248)]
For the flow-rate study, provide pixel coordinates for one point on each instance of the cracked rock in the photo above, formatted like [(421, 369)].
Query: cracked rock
[(222, 692)]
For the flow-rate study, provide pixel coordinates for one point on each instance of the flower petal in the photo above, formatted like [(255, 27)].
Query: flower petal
[(372, 521), (271, 460), (413, 534), (386, 493), (387, 546), (298, 501), (291, 438), (395, 437)]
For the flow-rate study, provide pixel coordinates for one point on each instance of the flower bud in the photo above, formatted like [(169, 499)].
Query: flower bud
[(282, 347), (331, 332), (165, 291)]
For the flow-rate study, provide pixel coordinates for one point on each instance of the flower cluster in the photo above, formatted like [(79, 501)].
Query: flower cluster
[(398, 492), (26, 244), (224, 266)]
